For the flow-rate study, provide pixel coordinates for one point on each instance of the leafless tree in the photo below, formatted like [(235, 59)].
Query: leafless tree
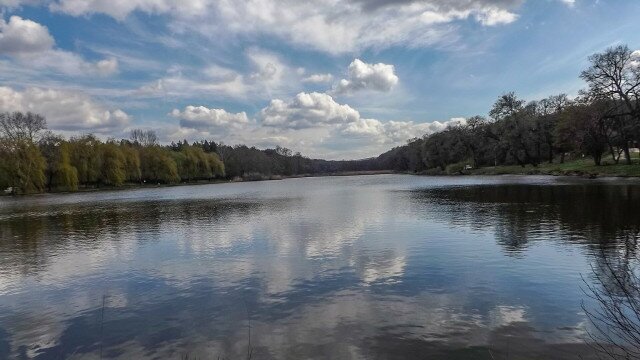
[(144, 137), (615, 74), (18, 126)]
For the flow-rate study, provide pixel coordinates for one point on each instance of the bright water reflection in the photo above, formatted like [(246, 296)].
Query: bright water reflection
[(352, 267)]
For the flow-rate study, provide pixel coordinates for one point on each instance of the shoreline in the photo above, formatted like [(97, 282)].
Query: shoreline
[(552, 170), (584, 168), (135, 186)]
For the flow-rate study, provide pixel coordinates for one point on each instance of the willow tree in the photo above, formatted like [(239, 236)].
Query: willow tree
[(23, 166), (28, 168), (86, 158), (216, 165), (158, 165), (132, 162), (113, 165), (65, 176)]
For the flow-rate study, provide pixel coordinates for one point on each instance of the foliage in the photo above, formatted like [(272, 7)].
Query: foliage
[(114, 165), (158, 165)]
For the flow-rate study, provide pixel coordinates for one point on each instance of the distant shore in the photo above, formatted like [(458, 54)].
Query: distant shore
[(582, 168)]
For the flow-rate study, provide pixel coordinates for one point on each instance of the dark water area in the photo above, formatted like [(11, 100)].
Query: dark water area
[(363, 267)]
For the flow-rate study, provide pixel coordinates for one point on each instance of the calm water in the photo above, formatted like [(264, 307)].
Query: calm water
[(370, 267)]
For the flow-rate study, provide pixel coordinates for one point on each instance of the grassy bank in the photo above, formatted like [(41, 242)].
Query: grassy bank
[(583, 167)]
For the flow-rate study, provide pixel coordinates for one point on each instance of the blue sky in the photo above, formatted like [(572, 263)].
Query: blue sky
[(333, 78)]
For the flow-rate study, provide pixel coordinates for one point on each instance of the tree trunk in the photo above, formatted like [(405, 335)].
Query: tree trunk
[(613, 155), (597, 158), (627, 154)]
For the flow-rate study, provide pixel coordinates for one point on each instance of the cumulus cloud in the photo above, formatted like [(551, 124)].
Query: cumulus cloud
[(20, 36), (203, 118), (307, 110), (318, 110), (313, 123), (395, 131), (64, 110), (363, 76), (31, 44), (318, 78)]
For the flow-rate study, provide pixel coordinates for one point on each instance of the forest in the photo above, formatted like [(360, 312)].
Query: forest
[(601, 123)]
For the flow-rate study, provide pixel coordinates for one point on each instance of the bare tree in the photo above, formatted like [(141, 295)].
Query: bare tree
[(144, 137), (19, 126), (616, 322), (615, 74)]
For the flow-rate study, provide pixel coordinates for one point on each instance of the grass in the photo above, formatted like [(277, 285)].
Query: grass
[(581, 167)]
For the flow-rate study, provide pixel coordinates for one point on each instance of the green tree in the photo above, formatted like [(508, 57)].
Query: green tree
[(23, 166), (113, 164), (132, 162), (85, 157), (158, 165), (65, 176), (29, 167), (216, 165)]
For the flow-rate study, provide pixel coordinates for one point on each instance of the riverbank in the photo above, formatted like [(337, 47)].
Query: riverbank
[(582, 167), (249, 178)]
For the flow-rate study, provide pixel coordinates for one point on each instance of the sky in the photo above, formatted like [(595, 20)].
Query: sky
[(334, 79)]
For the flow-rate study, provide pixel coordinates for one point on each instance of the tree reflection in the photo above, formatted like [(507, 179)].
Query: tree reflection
[(596, 214), (616, 321), (33, 235)]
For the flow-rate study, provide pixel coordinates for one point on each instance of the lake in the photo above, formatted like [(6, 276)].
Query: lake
[(362, 267)]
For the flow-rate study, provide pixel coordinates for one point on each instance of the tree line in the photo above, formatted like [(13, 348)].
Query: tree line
[(602, 122), (34, 160)]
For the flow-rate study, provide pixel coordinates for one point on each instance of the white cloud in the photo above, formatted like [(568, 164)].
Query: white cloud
[(363, 76), (11, 4), (268, 77), (492, 17), (321, 111), (569, 2), (635, 59), (20, 36), (31, 44), (203, 118), (268, 68), (395, 132), (64, 110), (335, 26), (318, 78), (307, 110), (215, 81), (107, 66), (312, 123)]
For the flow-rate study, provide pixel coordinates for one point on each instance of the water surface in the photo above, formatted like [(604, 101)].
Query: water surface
[(371, 267)]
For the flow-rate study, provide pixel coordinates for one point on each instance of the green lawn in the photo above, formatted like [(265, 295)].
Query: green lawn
[(583, 167)]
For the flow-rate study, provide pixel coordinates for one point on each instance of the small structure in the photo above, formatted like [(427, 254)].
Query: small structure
[(8, 190)]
